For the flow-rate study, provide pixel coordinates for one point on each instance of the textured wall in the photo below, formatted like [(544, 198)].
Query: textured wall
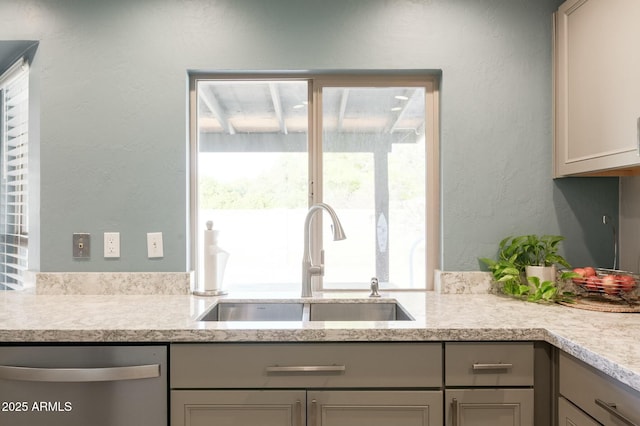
[(113, 76), (630, 223)]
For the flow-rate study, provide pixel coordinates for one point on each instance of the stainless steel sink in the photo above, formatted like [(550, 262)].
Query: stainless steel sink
[(386, 311), (296, 310), (251, 311)]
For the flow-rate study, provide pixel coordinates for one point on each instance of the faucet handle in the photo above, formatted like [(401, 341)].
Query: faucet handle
[(374, 287)]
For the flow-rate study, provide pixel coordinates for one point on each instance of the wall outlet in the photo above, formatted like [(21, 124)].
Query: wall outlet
[(81, 246), (154, 245), (111, 244)]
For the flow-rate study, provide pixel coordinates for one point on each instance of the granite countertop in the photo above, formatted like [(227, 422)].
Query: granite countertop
[(607, 341)]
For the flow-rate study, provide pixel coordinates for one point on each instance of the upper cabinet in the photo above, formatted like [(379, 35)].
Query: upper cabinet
[(597, 88)]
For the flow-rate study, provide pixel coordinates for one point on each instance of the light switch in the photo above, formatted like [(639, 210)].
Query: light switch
[(154, 245)]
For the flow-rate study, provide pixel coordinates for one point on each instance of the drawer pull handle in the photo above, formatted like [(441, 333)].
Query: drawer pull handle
[(307, 369), (313, 413), (499, 366), (454, 412), (613, 410), (299, 412)]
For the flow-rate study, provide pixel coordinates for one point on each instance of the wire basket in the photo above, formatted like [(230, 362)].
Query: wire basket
[(608, 282)]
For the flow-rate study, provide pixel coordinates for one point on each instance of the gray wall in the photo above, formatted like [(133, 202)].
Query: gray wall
[(113, 111), (630, 223)]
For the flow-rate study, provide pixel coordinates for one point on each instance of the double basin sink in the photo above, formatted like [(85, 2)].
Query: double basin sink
[(295, 310)]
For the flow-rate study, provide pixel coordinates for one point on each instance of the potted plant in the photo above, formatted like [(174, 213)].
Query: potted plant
[(526, 266), (541, 256)]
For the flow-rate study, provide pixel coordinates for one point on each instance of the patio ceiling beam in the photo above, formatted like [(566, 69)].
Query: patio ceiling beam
[(402, 112), (343, 107), (277, 107), (214, 106)]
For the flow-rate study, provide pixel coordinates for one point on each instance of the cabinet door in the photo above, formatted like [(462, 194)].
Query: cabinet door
[(570, 415), (227, 408), (374, 408), (597, 96), (597, 394), (489, 407)]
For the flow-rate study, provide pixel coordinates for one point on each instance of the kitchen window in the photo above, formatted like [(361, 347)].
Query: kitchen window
[(14, 226), (266, 147)]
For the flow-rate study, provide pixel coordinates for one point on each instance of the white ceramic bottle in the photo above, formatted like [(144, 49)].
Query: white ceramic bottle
[(214, 263)]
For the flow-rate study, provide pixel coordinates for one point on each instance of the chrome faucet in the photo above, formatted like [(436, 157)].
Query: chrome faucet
[(308, 268)]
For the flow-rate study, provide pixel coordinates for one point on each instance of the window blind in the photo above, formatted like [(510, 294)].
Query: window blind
[(14, 116)]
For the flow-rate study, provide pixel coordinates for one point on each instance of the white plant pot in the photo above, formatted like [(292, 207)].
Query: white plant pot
[(544, 273)]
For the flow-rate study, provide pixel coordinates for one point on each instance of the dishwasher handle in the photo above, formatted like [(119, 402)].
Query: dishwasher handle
[(76, 375)]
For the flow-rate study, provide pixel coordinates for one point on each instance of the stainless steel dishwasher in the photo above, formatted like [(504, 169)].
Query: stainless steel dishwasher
[(83, 385)]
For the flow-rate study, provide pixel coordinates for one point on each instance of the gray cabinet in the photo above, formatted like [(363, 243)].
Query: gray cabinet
[(489, 384), (306, 365), (238, 407), (374, 408), (489, 407), (312, 408), (353, 384), (597, 395), (570, 415), (323, 384), (597, 90)]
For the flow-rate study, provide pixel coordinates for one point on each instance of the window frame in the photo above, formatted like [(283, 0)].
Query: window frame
[(316, 82), (19, 70)]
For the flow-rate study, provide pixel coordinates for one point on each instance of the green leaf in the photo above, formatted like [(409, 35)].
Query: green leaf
[(534, 280), (489, 262), (549, 293)]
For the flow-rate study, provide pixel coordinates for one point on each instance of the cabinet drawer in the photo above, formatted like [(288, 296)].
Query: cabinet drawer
[(590, 389), (489, 364), (569, 414), (285, 365)]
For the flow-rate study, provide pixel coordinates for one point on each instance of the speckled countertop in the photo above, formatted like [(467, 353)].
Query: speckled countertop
[(607, 341)]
